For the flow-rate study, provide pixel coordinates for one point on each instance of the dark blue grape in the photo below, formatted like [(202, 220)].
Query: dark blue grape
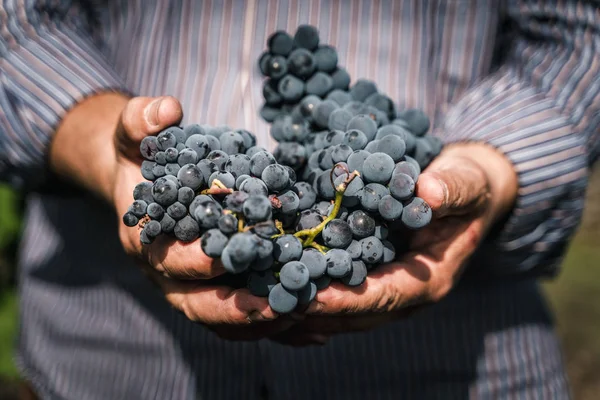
[(340, 153), (263, 62), (129, 219), (337, 234), (322, 282), (355, 139), (265, 230), (242, 247), (155, 211), (409, 139), (378, 168), (171, 155), (149, 147), (417, 121), (315, 262), (164, 192), (307, 106), (339, 119), (143, 191), (294, 275), (190, 176), (235, 201), (230, 265), (423, 153), (393, 146), (324, 186), (383, 103), (319, 84), (269, 114), (167, 224), (271, 93), (276, 67), (356, 160), (198, 143), (254, 186), (389, 208), (260, 161), (365, 124), (402, 186), (185, 195), (177, 211), (306, 195), (144, 238), (417, 214), (158, 170), (276, 177), (322, 112), (371, 195), (207, 214), (290, 154), (189, 130), (187, 156), (372, 250), (307, 293), (238, 164), (213, 242), (213, 143), (232, 143), (341, 97), (307, 37), (362, 89), (287, 248), (339, 263), (381, 232), (288, 202), (325, 159), (309, 219), (172, 169), (280, 43), (341, 79), (186, 229), (361, 224), (260, 283), (253, 150), (228, 224), (147, 167), (152, 229), (197, 201), (389, 252), (354, 249), (226, 178), (166, 139), (207, 167), (408, 168), (358, 274), (160, 158), (322, 207), (257, 208), (326, 58), (282, 300), (291, 88)]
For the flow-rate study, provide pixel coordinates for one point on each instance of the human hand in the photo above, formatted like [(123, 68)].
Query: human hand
[(97, 146), (469, 187)]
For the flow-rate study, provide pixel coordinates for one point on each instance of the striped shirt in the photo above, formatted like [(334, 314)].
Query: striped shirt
[(521, 75)]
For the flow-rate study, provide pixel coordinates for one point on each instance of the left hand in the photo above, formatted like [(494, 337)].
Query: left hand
[(469, 187)]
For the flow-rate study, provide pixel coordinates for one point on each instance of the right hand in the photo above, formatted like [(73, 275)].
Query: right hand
[(180, 269)]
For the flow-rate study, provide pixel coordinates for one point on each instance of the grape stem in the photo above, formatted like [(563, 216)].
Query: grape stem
[(319, 247), (240, 223), (217, 187), (279, 227), (311, 234)]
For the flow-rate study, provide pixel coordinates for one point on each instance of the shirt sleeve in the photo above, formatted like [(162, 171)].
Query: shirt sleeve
[(49, 61), (542, 110)]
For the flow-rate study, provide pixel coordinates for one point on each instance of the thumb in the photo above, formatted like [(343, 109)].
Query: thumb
[(454, 185), (143, 116)]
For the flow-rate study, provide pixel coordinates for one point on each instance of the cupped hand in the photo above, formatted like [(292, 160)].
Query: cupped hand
[(469, 187), (106, 159)]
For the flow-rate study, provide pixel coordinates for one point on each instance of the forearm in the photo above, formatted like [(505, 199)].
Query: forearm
[(83, 150)]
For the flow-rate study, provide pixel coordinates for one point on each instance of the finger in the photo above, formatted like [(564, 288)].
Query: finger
[(214, 305), (145, 116), (453, 186)]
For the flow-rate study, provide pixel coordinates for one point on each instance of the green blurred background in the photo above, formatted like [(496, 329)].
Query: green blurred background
[(575, 297)]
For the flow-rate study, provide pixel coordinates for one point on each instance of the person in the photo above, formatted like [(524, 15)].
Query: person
[(513, 88)]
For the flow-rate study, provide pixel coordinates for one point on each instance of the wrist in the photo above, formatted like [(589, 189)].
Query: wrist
[(82, 150)]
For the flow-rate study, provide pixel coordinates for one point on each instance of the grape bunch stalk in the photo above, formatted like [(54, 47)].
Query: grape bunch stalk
[(320, 208)]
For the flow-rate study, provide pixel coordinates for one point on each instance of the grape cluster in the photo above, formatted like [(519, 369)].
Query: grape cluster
[(316, 210), (298, 66)]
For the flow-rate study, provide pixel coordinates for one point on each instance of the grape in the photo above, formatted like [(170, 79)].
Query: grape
[(177, 211), (213, 143), (263, 62), (253, 150), (341, 79), (269, 114), (265, 229), (166, 139), (378, 168), (361, 224), (160, 158), (362, 89), (231, 266), (333, 137), (340, 153), (187, 156), (219, 158), (339, 119), (325, 159), (356, 160), (436, 144), (147, 167), (167, 223), (355, 139), (308, 219), (371, 195), (232, 143), (293, 130), (290, 154), (371, 147), (238, 164), (393, 146), (144, 238), (322, 282), (281, 300), (307, 294), (275, 176), (180, 146), (381, 232), (207, 167), (358, 274), (171, 155), (307, 106), (402, 186), (414, 163), (260, 283), (287, 248), (276, 67), (149, 147), (322, 112), (242, 247), (306, 37), (372, 249), (409, 139), (423, 153), (417, 121), (354, 249), (341, 97), (186, 229), (185, 195), (213, 241), (389, 253), (189, 130), (319, 84), (339, 169), (155, 211), (257, 208), (158, 170), (339, 263), (342, 213), (207, 214), (353, 190), (152, 228), (280, 43), (197, 201), (306, 195), (254, 186), (289, 202), (337, 234), (417, 214), (291, 88), (164, 192), (199, 144), (322, 208), (190, 176), (129, 219), (389, 208), (294, 275), (172, 169), (315, 262), (235, 201), (226, 178), (228, 224), (382, 103), (143, 191), (324, 187), (405, 167)]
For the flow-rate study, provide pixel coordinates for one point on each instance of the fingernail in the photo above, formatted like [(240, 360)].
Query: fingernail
[(151, 112)]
